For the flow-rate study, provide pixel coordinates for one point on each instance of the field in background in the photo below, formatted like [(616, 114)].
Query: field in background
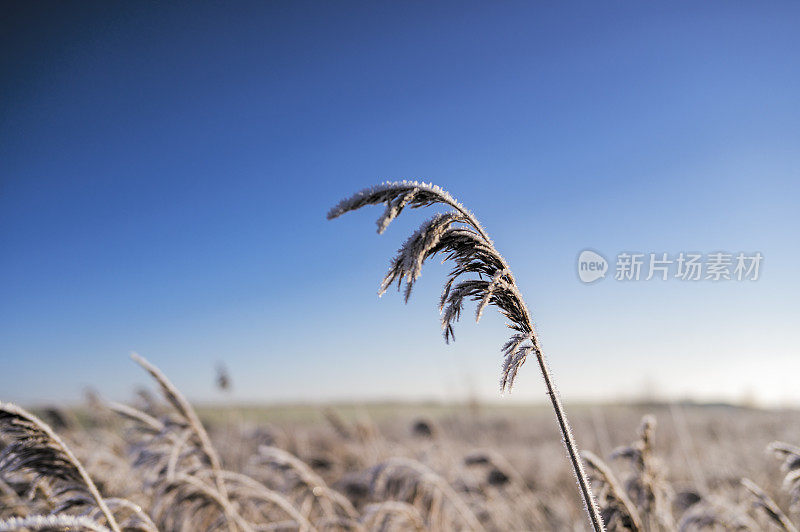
[(718, 443), (506, 463)]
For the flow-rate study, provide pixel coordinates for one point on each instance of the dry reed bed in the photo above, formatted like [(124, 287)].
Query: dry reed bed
[(460, 471)]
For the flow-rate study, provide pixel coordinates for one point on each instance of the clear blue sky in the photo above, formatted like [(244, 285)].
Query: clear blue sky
[(165, 170)]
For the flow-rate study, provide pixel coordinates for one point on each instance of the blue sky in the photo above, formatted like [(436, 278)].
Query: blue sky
[(165, 170)]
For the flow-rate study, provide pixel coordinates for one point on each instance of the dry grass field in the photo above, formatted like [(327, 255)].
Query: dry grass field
[(158, 465)]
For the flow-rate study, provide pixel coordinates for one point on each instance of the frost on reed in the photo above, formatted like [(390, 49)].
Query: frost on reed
[(715, 515), (790, 454), (458, 237), (408, 480), (306, 488), (34, 449), (647, 487), (383, 515), (617, 509), (51, 523), (183, 475), (479, 274), (764, 502)]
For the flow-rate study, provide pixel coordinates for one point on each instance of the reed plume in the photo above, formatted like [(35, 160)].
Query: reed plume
[(790, 454), (647, 487), (34, 448), (479, 274), (411, 481), (171, 453), (715, 514), (616, 506), (184, 476), (50, 523), (300, 477), (187, 414), (380, 516), (765, 503)]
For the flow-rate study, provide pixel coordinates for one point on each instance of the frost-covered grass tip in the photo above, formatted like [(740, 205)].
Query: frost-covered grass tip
[(479, 274)]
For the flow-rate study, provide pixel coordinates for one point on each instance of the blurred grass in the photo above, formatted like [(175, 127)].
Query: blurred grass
[(381, 411)]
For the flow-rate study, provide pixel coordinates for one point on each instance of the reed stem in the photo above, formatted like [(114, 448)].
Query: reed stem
[(572, 448)]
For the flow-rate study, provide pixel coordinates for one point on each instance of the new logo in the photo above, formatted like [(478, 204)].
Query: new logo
[(591, 266)]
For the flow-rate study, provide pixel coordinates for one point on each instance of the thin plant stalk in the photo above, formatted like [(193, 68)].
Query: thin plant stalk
[(460, 238), (572, 448)]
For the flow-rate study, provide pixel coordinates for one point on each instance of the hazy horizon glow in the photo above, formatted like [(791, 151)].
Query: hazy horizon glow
[(165, 172)]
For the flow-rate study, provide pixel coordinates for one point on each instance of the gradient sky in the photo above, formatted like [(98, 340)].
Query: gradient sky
[(166, 168)]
